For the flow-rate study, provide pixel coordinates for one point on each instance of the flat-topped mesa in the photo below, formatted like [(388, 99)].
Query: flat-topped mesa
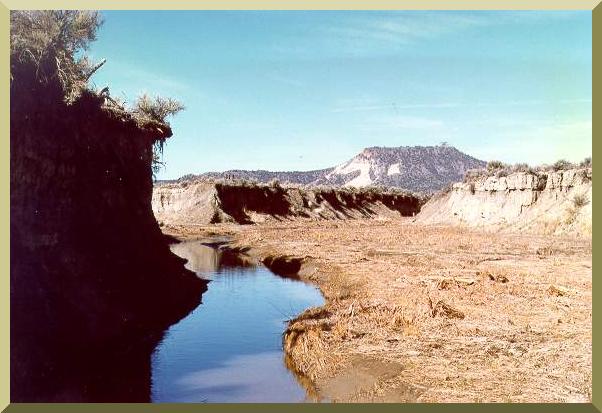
[(554, 202), (415, 168)]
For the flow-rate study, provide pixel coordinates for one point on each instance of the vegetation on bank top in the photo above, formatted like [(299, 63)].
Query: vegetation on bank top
[(277, 186), (500, 169), (47, 47), (51, 45), (48, 58)]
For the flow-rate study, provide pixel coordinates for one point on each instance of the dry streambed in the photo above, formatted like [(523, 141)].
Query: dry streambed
[(432, 314)]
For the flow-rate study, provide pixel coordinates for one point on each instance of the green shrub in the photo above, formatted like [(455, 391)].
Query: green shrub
[(274, 183), (523, 167), (562, 165), (46, 47), (494, 165), (474, 174), (155, 109), (586, 163)]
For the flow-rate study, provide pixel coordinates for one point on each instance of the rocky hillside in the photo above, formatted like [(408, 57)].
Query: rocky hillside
[(415, 168), (207, 202), (552, 202)]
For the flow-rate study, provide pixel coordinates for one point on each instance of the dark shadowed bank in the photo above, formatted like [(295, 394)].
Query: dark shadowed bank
[(206, 201), (93, 283)]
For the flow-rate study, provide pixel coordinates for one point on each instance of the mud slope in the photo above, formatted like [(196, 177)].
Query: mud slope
[(206, 202), (548, 203), (93, 283)]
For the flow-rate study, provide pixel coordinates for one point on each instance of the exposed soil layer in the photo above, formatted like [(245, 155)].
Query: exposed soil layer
[(204, 202), (544, 202), (93, 283), (432, 314)]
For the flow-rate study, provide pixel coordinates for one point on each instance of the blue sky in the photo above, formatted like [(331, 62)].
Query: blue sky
[(300, 90)]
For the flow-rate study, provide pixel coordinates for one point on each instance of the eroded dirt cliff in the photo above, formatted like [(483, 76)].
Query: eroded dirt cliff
[(551, 202), (93, 283), (207, 202)]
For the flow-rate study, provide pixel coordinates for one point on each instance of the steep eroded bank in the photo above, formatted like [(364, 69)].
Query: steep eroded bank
[(93, 283), (545, 202), (205, 202)]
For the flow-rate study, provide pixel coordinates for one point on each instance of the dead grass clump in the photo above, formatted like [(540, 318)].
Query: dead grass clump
[(495, 275), (546, 251), (444, 310), (408, 326), (304, 344), (557, 291), (445, 284), (417, 260), (344, 330), (501, 278), (580, 200), (571, 215), (314, 313)]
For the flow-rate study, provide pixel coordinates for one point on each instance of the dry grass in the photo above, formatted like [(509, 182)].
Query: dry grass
[(470, 316)]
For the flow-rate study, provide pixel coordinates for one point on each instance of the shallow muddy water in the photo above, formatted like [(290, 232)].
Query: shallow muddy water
[(229, 349)]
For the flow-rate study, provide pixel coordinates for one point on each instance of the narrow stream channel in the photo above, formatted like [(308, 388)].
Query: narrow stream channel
[(229, 349)]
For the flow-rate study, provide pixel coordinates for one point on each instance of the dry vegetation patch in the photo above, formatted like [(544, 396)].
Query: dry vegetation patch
[(460, 315)]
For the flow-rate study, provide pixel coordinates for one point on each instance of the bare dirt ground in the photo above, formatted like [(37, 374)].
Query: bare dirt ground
[(433, 314)]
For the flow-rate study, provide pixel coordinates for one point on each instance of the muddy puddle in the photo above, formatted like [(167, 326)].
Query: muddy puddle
[(229, 349)]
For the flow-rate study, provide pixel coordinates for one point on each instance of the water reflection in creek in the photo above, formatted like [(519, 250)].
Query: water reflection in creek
[(229, 349)]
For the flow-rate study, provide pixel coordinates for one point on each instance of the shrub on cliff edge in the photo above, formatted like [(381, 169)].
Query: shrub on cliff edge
[(586, 163), (562, 165), (155, 109), (46, 46), (48, 61)]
